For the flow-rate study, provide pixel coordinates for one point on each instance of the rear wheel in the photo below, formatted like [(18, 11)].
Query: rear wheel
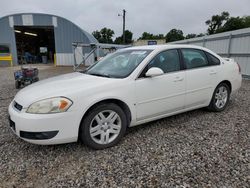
[(220, 98), (103, 126)]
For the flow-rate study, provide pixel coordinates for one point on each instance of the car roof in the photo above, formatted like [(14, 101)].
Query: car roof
[(165, 46), (162, 47)]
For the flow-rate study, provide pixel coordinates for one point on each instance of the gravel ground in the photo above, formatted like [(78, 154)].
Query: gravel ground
[(193, 149)]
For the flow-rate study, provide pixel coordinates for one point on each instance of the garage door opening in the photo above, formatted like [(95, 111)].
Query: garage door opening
[(35, 44)]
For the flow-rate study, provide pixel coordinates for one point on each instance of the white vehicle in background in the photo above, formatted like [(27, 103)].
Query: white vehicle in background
[(129, 87)]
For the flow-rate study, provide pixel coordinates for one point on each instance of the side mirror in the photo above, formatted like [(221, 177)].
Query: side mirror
[(154, 71)]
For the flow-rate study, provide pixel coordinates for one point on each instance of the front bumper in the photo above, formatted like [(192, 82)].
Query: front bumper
[(44, 129), (38, 135)]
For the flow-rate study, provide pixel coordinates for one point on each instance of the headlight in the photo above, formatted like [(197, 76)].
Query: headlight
[(51, 105)]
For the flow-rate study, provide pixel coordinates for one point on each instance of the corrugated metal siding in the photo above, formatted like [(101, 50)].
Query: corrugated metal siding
[(233, 44), (66, 33), (18, 20), (219, 46), (198, 43), (244, 64), (7, 37), (240, 45), (64, 59), (44, 20)]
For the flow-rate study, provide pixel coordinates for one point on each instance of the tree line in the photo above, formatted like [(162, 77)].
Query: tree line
[(105, 35), (217, 24)]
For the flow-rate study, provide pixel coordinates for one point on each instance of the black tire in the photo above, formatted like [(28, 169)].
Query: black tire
[(213, 105), (84, 132)]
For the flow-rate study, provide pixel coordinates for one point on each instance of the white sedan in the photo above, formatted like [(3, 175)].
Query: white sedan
[(129, 87)]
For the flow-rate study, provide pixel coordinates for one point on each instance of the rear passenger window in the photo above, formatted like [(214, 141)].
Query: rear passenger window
[(194, 58), (212, 59)]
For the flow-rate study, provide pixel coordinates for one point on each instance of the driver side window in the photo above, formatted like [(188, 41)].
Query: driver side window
[(167, 61)]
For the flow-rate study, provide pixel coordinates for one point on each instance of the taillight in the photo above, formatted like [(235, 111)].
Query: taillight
[(239, 67)]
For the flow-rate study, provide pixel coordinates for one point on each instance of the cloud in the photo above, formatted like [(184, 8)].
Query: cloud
[(155, 16)]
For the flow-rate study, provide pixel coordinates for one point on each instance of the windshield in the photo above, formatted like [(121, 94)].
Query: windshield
[(119, 64)]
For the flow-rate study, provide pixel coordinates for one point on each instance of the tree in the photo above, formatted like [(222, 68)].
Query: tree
[(149, 36), (246, 20), (160, 36), (200, 35), (216, 22), (128, 38), (223, 23), (232, 23), (174, 35), (189, 36), (119, 40), (97, 34), (146, 36), (104, 36)]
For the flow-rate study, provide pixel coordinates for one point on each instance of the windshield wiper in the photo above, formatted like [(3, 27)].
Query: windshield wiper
[(98, 74)]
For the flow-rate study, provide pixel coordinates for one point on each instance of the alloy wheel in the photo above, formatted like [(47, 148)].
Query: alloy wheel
[(105, 127), (221, 97)]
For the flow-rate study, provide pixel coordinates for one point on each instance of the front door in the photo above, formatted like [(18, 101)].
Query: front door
[(164, 94)]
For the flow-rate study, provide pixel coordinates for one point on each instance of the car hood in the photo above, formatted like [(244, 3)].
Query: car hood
[(63, 85)]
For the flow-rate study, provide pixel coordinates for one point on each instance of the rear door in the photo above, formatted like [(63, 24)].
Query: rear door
[(215, 71), (200, 77)]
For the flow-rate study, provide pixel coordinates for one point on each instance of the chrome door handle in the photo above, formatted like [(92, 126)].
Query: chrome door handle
[(178, 79), (212, 72)]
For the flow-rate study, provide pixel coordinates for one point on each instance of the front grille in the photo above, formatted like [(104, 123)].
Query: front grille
[(18, 106)]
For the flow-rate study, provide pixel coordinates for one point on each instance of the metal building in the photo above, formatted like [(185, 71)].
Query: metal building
[(39, 38), (232, 44)]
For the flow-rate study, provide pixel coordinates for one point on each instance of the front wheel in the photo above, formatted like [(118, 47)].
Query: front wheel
[(220, 98), (103, 126)]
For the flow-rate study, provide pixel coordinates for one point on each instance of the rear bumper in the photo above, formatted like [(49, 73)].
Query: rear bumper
[(236, 83), (44, 129)]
